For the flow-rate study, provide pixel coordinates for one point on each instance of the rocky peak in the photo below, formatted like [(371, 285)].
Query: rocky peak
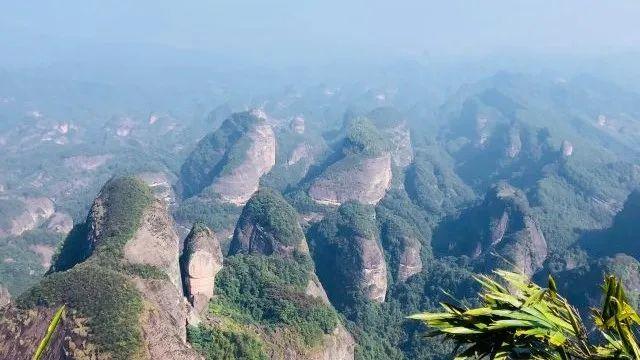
[(268, 225), (502, 224), (353, 262), (566, 148), (229, 163), (202, 260), (298, 125)]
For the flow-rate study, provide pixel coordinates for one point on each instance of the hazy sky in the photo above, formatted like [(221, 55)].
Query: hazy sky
[(303, 29)]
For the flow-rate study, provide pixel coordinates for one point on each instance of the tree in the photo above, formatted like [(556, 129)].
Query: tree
[(521, 320)]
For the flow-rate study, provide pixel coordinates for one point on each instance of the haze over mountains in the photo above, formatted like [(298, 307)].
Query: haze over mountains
[(295, 190)]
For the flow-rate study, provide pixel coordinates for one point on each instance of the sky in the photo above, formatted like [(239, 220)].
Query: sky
[(287, 29)]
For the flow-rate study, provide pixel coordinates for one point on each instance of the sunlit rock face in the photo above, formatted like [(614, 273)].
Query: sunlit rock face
[(228, 163), (365, 180), (202, 260), (507, 234)]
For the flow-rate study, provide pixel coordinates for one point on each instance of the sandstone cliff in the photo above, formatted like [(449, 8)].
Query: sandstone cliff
[(230, 162), (126, 276), (504, 225), (353, 264), (202, 260), (238, 184), (361, 179), (268, 225)]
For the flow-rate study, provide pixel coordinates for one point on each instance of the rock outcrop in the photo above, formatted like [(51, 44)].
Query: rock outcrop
[(5, 297), (503, 224), (298, 125), (268, 225), (353, 262), (161, 185), (30, 213), (229, 163), (393, 126), (127, 258), (242, 181), (365, 180), (60, 223), (202, 260), (156, 232)]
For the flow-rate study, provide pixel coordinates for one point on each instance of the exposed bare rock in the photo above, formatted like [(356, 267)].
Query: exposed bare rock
[(161, 185), (156, 232), (362, 179), (602, 120), (348, 247), (45, 252), (86, 163), (163, 321), (300, 152), (373, 275), (338, 345), (566, 148), (268, 225), (315, 289), (504, 225), (60, 223), (402, 150), (240, 183), (21, 331), (202, 261), (410, 260), (5, 297), (515, 143), (297, 125), (36, 212)]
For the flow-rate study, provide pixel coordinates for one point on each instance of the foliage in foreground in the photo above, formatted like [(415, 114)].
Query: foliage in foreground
[(523, 321)]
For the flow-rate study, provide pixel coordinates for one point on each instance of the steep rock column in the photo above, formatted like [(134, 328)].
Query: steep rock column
[(202, 261)]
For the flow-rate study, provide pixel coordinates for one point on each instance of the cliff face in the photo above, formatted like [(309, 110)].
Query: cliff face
[(126, 268), (268, 225), (230, 162), (156, 232), (362, 179), (202, 261), (502, 224), (348, 248), (242, 181)]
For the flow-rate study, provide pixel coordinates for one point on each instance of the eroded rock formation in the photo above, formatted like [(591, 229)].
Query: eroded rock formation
[(365, 180), (202, 260)]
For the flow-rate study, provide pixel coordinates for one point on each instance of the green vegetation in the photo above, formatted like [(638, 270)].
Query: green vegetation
[(214, 214), (20, 266), (217, 344), (95, 282), (124, 200), (519, 319), (269, 291), (217, 153), (363, 138), (336, 250), (270, 211), (9, 209), (105, 296), (385, 117)]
